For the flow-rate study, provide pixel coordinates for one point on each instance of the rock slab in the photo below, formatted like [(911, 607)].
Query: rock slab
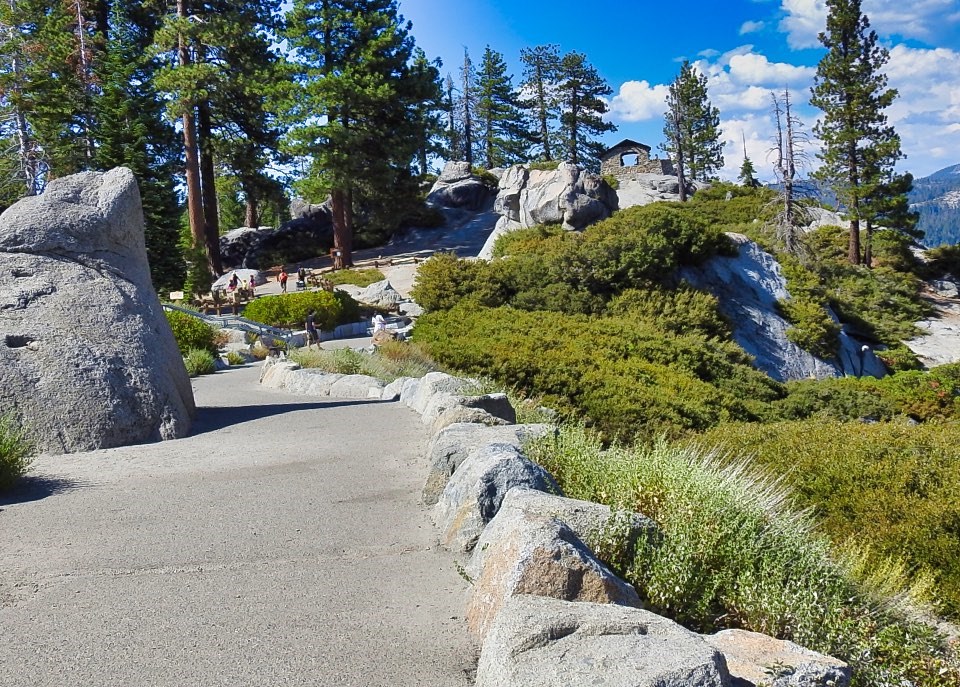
[(543, 642), (87, 358), (755, 659)]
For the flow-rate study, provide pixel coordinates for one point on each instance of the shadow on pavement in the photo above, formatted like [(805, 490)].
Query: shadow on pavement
[(36, 487), (212, 419)]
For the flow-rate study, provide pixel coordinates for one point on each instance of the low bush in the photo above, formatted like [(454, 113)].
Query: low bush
[(191, 332), (199, 362), (921, 396), (892, 486), (290, 310), (544, 165), (626, 375), (731, 552), (574, 273), (357, 277), (487, 177), (16, 452), (234, 358), (390, 361)]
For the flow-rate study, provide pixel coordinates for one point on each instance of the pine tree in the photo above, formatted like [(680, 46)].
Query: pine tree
[(748, 173), (467, 105), (454, 141), (502, 129), (429, 111), (581, 90), (540, 76), (693, 125), (859, 147), (354, 70), (131, 132)]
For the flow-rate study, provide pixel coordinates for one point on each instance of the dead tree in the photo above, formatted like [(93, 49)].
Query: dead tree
[(788, 153)]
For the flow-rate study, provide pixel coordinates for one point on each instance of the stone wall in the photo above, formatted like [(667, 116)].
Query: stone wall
[(612, 163)]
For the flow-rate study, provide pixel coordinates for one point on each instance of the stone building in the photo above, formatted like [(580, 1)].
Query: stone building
[(629, 158)]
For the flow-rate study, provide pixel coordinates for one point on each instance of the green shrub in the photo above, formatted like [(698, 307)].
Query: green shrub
[(730, 551), (357, 277), (487, 177), (922, 396), (391, 360), (290, 310), (544, 165), (443, 280), (813, 329), (199, 362), (529, 240), (681, 311), (611, 181), (191, 332), (234, 358), (626, 375), (16, 452), (893, 487)]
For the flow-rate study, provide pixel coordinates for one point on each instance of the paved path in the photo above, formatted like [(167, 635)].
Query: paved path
[(281, 544)]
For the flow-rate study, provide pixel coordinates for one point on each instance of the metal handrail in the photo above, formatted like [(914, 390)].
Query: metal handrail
[(235, 322)]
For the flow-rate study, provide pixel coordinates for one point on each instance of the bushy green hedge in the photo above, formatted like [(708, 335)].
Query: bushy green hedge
[(627, 375), (357, 277), (290, 310), (921, 396), (16, 451), (730, 551), (574, 273), (191, 332), (891, 486)]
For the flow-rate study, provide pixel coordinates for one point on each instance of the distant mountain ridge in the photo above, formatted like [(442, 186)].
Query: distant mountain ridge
[(937, 198)]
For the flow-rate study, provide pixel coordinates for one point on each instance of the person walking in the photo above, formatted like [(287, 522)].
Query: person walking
[(283, 280), (313, 336)]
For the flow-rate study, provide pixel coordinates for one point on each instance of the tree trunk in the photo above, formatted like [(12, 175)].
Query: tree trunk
[(868, 245), (853, 249), (194, 199), (348, 224), (544, 115), (208, 188), (340, 241), (251, 218)]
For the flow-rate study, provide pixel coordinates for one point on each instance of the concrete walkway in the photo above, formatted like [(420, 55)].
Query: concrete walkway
[(281, 544)]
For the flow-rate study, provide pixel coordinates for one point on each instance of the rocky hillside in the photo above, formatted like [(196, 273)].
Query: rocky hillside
[(937, 198)]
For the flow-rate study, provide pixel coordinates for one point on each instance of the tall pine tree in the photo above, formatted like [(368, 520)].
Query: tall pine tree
[(859, 147), (692, 126), (355, 124), (580, 92), (502, 131), (541, 66), (132, 132)]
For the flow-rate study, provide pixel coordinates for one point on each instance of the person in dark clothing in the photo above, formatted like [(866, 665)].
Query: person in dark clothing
[(313, 336)]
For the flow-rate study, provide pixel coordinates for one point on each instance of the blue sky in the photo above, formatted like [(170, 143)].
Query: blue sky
[(745, 47)]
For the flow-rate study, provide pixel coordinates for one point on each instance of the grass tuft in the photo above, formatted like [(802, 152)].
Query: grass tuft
[(16, 452)]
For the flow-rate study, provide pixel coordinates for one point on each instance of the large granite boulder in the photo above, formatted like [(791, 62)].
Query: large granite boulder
[(307, 234), (473, 496), (589, 521), (748, 286), (87, 358), (451, 446), (458, 187), (541, 556), (568, 195), (542, 642)]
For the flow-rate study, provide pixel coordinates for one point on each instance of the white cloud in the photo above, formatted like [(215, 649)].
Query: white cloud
[(924, 20), (754, 68), (638, 100), (751, 27)]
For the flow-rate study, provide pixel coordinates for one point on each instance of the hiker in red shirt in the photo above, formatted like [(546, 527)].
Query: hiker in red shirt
[(283, 280)]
